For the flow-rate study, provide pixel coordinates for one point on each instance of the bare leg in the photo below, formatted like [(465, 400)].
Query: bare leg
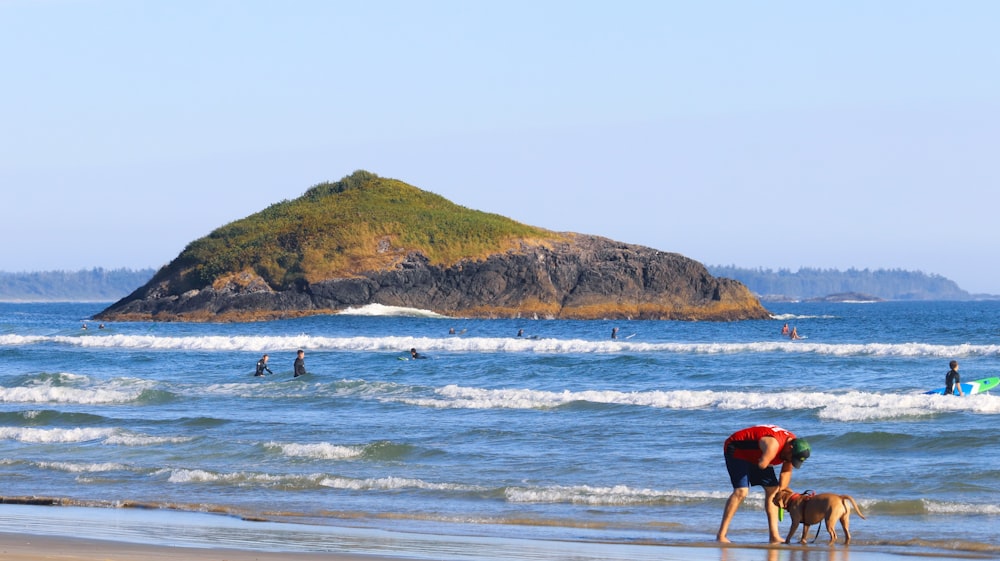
[(772, 514), (732, 504)]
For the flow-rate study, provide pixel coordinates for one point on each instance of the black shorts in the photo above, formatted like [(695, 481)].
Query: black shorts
[(746, 474)]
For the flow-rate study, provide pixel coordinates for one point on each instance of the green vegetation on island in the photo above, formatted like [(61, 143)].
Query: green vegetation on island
[(362, 222)]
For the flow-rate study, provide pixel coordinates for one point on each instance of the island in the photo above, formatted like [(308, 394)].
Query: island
[(372, 240)]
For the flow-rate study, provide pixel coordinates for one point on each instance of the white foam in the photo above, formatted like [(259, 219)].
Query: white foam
[(56, 435), (203, 476), (391, 483), (852, 406), (134, 439), (82, 468), (516, 344), (616, 495), (937, 507), (786, 317), (323, 450), (380, 310), (47, 393), (18, 340)]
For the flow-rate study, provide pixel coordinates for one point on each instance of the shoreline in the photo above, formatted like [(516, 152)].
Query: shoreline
[(34, 547), (41, 533)]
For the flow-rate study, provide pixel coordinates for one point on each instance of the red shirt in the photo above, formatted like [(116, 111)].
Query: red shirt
[(746, 443)]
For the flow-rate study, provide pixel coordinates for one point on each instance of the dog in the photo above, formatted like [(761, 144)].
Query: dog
[(810, 509)]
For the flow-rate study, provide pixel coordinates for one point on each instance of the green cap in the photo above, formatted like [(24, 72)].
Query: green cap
[(800, 451)]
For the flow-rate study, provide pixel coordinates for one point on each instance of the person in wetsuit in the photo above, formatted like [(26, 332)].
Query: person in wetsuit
[(262, 366), (952, 381), (300, 364)]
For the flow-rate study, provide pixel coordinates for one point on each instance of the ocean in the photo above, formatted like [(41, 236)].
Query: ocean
[(558, 435)]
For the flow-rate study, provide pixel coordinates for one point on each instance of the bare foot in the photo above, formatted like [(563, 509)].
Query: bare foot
[(722, 539), (775, 540)]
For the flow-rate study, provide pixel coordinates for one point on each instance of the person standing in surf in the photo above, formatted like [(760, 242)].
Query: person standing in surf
[(952, 381), (300, 364), (262, 366), (751, 455)]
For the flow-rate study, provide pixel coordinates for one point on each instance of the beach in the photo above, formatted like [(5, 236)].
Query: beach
[(53, 533), (24, 547)]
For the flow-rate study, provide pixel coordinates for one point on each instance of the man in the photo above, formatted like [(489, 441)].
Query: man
[(262, 366), (952, 381), (300, 364), (751, 454)]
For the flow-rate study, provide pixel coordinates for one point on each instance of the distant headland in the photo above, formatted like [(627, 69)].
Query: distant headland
[(371, 240), (831, 285)]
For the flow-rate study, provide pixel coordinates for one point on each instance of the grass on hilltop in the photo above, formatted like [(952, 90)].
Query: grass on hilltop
[(362, 222)]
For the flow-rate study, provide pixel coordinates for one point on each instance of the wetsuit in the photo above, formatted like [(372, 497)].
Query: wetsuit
[(951, 382), (261, 367), (300, 367)]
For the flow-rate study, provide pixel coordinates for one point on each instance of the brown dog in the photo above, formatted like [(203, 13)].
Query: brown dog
[(811, 509)]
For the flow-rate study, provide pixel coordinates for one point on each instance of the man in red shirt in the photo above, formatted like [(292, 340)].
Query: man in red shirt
[(751, 454)]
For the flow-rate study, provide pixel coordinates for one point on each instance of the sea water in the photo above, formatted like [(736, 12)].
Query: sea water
[(561, 433)]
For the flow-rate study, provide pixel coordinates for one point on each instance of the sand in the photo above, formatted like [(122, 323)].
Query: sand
[(37, 533), (25, 547)]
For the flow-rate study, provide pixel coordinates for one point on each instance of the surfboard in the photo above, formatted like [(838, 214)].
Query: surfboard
[(974, 387)]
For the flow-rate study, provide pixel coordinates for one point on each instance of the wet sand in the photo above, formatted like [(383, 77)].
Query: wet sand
[(25, 547)]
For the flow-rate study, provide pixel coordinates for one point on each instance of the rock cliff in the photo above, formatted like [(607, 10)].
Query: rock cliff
[(510, 274)]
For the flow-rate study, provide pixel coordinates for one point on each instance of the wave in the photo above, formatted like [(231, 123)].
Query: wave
[(617, 495), (786, 317), (51, 391), (847, 406), (48, 436), (380, 310), (110, 436), (503, 344), (851, 406), (73, 467), (322, 451), (379, 451)]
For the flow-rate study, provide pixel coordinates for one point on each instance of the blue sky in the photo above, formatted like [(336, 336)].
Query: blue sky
[(771, 134)]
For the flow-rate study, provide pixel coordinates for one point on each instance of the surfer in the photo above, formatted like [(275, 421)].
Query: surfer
[(262, 366), (520, 333), (794, 334), (952, 381), (300, 364), (751, 455), (784, 330), (614, 332), (415, 355)]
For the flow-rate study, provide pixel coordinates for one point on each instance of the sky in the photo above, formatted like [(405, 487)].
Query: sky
[(766, 134)]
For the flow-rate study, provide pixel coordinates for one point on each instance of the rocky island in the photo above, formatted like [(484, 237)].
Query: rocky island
[(371, 240)]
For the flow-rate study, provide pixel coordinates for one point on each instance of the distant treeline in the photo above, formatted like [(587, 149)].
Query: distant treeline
[(88, 285), (887, 284), (806, 283)]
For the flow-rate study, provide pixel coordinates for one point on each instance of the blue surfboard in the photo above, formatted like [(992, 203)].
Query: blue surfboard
[(972, 388)]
